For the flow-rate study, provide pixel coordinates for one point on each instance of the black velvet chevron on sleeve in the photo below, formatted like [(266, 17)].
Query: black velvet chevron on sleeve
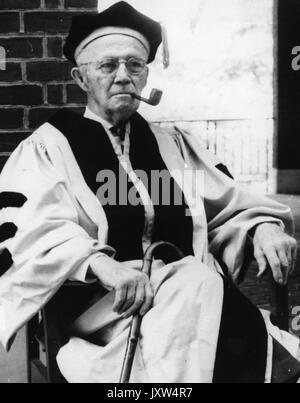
[(223, 168), (12, 199), (8, 229)]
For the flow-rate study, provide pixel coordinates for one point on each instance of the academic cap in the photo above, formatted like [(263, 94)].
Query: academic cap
[(120, 15)]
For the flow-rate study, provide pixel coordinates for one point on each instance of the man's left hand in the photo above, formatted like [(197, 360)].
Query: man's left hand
[(274, 247)]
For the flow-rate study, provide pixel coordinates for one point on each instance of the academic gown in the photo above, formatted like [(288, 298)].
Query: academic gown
[(54, 225)]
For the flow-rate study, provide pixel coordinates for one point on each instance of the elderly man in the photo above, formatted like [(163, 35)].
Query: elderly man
[(63, 221)]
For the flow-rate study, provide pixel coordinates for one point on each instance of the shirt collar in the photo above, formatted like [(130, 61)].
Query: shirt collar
[(92, 116)]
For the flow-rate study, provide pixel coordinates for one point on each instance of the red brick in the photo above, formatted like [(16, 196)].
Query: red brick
[(75, 95), (12, 72), (9, 141), (22, 47), (9, 22), (11, 118), (52, 3), (49, 22), (19, 4), (91, 4), (21, 95), (55, 47), (38, 116), (55, 94), (48, 71)]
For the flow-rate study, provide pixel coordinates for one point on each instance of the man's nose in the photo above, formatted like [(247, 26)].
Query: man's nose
[(122, 76)]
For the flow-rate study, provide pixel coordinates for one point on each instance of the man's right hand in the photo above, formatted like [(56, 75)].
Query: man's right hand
[(133, 291)]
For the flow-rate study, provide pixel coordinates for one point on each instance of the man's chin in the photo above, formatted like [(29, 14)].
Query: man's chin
[(122, 112), (125, 107)]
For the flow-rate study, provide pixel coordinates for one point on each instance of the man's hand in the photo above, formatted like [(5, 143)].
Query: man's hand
[(272, 246), (133, 290)]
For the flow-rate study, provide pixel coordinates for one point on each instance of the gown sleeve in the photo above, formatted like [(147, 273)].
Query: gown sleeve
[(232, 211), (41, 242)]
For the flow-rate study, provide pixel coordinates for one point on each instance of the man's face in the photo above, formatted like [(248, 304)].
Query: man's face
[(109, 94)]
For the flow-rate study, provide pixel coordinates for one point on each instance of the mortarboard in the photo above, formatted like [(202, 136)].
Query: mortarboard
[(130, 22)]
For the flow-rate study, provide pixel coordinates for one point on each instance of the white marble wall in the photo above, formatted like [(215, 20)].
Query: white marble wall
[(221, 69), (221, 58)]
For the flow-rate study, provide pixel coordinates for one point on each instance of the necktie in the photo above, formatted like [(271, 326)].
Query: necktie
[(119, 131)]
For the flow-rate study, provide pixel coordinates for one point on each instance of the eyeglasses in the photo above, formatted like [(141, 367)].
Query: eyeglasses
[(134, 65)]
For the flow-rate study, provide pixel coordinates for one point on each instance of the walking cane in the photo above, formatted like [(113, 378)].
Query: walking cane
[(137, 318)]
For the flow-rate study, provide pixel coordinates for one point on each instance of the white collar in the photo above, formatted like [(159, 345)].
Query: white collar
[(92, 116), (116, 142)]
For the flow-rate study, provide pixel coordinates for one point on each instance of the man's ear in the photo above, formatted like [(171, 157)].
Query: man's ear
[(146, 75), (78, 77)]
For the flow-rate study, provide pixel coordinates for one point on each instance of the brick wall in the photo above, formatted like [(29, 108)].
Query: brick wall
[(35, 79)]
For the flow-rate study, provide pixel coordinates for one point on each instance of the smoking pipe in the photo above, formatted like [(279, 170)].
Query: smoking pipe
[(154, 98)]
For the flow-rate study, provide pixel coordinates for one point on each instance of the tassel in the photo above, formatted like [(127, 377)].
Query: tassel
[(166, 51)]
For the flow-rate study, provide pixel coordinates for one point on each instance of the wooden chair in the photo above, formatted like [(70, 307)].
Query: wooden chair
[(45, 332), (50, 319)]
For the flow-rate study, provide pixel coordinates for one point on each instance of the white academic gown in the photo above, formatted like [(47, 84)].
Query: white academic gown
[(62, 227)]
